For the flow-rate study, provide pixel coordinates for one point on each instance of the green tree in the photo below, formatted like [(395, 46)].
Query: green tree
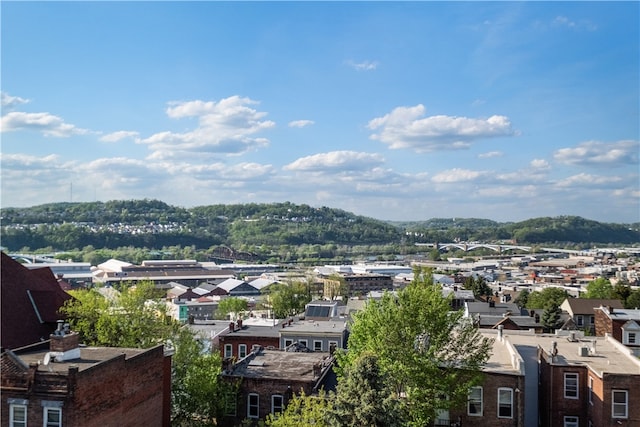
[(551, 316), (599, 288), (364, 397), (303, 411), (633, 300), (522, 298), (424, 350), (288, 299), (233, 305), (133, 318), (478, 285), (542, 298), (621, 291)]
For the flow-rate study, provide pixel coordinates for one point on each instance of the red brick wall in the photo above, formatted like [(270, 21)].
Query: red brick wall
[(236, 340), (489, 417)]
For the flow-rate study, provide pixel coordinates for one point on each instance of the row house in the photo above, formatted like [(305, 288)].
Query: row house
[(622, 324), (268, 378), (582, 311), (59, 383)]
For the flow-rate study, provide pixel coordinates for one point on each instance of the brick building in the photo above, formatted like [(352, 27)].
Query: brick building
[(356, 284), (245, 335), (268, 379), (622, 324), (59, 383)]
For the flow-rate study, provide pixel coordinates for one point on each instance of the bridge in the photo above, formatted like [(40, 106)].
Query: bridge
[(470, 246)]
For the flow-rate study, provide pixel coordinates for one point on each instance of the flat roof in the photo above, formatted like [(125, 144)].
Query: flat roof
[(280, 364), (609, 357), (89, 356)]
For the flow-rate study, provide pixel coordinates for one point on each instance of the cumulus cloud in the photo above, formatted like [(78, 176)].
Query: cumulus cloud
[(596, 153), (405, 127), (300, 123), (540, 164), (457, 175), (46, 123), (336, 161), (589, 180), (24, 162), (363, 66), (224, 127), (8, 101), (118, 136)]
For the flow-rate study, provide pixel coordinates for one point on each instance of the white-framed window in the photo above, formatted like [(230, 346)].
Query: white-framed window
[(474, 405), (228, 351), (277, 403), (592, 320), (317, 345), (505, 402), (570, 385), (571, 422), (242, 351), (619, 403), (579, 320), (630, 338), (52, 417), (17, 415), (303, 342), (287, 342), (253, 405), (591, 390)]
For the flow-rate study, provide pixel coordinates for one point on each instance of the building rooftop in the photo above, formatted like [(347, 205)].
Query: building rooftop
[(280, 364), (336, 325), (89, 357), (606, 355)]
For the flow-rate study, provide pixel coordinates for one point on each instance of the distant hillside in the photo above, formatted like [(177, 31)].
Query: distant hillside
[(155, 224)]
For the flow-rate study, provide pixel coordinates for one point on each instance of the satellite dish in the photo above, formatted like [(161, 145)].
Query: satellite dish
[(47, 359)]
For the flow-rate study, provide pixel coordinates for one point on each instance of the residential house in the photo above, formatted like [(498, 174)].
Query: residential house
[(581, 311), (245, 335), (59, 383), (316, 335), (621, 324), (30, 301), (267, 379)]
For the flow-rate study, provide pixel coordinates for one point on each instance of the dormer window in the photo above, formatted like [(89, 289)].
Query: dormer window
[(631, 333)]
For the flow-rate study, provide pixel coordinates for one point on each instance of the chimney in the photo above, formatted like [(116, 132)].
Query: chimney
[(231, 326), (64, 344), (610, 309), (532, 313), (500, 330), (492, 303), (239, 323)]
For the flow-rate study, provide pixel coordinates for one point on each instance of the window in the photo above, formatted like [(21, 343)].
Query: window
[(277, 403), (228, 351), (333, 345), (571, 386), (253, 408), (579, 320), (505, 402), (474, 405), (287, 342), (571, 422), (242, 351), (317, 346), (52, 417), (619, 403), (630, 338), (303, 342), (591, 390), (592, 320), (18, 415)]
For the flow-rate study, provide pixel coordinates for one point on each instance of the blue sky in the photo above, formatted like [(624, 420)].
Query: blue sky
[(393, 110)]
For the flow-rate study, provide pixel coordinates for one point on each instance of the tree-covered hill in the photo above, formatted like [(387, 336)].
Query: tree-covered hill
[(155, 224)]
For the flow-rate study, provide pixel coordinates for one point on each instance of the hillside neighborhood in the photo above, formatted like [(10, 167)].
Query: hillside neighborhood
[(582, 369)]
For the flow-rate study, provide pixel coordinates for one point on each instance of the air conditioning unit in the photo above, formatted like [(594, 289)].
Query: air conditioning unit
[(583, 351)]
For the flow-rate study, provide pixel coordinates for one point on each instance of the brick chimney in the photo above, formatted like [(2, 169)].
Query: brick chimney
[(64, 344)]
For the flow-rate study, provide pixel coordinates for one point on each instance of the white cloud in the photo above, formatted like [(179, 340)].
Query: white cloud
[(224, 127), (595, 153), (405, 127), (46, 123), (118, 136), (563, 21), (336, 160), (490, 154), (585, 179), (300, 123), (457, 175), (363, 66), (8, 101), (540, 164)]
